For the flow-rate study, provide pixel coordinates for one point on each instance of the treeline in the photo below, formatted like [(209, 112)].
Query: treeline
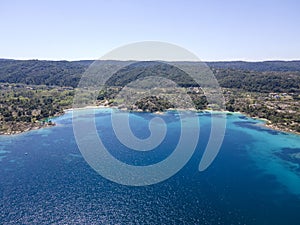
[(36, 72), (141, 70), (259, 81), (273, 76), (279, 66)]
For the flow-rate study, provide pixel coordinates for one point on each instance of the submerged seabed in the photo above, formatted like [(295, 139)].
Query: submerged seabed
[(255, 178)]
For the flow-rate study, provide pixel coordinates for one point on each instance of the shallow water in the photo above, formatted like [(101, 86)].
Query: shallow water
[(255, 179)]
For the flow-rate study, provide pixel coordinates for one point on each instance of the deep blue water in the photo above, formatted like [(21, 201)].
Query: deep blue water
[(255, 179)]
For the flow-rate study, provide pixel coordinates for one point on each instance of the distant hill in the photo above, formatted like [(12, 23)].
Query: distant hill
[(279, 66), (269, 76), (61, 73)]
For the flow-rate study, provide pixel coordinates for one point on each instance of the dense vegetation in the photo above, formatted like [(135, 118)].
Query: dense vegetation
[(36, 72), (280, 109), (273, 76), (259, 81), (153, 104), (27, 107), (145, 69), (279, 66)]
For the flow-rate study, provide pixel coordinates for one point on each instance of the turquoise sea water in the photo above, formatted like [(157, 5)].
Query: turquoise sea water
[(255, 179)]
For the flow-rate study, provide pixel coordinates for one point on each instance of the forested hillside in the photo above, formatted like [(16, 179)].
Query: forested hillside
[(272, 76), (36, 72), (279, 66)]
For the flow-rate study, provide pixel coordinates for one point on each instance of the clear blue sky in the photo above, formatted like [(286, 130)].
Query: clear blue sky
[(213, 30)]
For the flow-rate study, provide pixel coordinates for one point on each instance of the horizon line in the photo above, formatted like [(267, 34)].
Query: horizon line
[(208, 61)]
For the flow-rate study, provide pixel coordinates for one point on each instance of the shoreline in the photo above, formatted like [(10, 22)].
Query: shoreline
[(268, 124), (26, 127), (31, 126)]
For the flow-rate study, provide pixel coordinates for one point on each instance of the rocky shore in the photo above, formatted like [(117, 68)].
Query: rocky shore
[(11, 128), (281, 128)]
